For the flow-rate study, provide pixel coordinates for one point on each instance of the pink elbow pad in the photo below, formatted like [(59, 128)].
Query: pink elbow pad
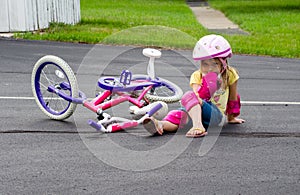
[(177, 117), (233, 107), (210, 84), (189, 100)]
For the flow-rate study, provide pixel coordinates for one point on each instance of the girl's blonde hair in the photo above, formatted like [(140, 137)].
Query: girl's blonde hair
[(225, 74)]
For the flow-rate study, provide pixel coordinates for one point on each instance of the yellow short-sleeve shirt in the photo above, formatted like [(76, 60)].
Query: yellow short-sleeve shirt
[(220, 100)]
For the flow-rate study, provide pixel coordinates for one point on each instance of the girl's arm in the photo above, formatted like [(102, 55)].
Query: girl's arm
[(195, 89), (233, 96)]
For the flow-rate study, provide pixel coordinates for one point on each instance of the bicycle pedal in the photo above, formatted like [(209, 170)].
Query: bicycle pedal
[(125, 77)]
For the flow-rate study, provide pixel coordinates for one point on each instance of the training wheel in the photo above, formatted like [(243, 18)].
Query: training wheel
[(149, 52)]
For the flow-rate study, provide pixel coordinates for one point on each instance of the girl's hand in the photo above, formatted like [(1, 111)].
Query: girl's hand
[(236, 121)]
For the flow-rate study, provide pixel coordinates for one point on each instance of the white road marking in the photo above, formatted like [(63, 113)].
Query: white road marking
[(268, 103), (16, 98)]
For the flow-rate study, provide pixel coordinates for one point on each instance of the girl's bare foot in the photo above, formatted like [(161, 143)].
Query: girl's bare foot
[(236, 121)]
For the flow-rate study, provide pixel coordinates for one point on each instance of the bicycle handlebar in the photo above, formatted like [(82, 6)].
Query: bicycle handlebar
[(154, 109)]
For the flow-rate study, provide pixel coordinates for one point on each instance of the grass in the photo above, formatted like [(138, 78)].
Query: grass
[(152, 35), (163, 23), (274, 25)]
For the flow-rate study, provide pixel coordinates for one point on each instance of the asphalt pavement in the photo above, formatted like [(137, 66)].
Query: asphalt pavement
[(42, 156)]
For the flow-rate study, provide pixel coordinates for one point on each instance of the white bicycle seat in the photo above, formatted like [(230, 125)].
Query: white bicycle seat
[(151, 53)]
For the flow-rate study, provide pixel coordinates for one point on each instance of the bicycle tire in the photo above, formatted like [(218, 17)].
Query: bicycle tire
[(172, 94), (52, 70)]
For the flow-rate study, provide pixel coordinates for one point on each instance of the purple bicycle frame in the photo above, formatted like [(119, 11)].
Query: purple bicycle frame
[(97, 105)]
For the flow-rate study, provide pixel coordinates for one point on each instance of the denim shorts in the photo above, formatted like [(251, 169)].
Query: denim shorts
[(211, 115)]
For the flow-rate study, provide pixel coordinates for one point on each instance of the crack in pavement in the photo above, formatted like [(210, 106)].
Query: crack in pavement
[(225, 134)]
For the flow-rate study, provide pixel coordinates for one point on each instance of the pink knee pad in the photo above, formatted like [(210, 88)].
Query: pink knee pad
[(189, 100), (177, 117)]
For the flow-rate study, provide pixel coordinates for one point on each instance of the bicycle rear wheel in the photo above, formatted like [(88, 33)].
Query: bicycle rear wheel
[(165, 91), (52, 70)]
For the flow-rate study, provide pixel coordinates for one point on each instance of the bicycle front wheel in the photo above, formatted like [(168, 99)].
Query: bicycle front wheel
[(165, 90), (52, 70)]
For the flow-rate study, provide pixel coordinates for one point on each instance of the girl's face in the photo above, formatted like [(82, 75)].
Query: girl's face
[(211, 65)]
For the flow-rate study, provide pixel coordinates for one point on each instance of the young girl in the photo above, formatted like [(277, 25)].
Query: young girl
[(214, 93)]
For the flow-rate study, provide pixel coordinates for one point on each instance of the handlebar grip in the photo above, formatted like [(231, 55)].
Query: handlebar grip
[(155, 109), (95, 125)]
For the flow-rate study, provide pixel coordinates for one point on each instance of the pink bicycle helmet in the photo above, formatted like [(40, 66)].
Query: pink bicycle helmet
[(212, 46)]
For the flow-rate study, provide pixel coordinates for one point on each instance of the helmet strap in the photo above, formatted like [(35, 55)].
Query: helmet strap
[(224, 63)]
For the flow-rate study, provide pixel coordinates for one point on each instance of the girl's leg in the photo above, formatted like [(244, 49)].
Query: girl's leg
[(198, 129), (154, 126), (196, 116), (168, 126), (177, 118)]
